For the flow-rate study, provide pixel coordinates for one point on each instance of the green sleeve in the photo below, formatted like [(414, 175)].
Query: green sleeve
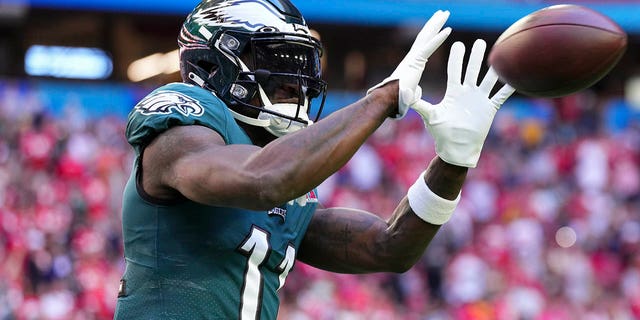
[(176, 104)]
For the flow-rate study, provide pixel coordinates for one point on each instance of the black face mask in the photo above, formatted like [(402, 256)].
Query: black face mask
[(286, 68)]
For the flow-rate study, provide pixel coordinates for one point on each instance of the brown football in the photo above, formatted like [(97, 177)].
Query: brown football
[(557, 50)]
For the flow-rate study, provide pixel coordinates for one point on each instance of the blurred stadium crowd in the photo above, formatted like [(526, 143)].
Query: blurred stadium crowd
[(548, 226)]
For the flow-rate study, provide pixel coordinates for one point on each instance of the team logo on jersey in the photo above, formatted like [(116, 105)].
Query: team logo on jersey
[(166, 102), (278, 211), (302, 201)]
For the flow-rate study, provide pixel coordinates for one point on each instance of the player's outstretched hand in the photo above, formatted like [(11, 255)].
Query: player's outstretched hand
[(409, 71), (460, 123)]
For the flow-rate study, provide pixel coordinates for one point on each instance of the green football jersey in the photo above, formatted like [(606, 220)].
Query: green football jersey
[(186, 260)]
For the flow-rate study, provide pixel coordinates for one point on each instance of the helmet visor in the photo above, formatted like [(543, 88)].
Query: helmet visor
[(289, 63), (287, 57)]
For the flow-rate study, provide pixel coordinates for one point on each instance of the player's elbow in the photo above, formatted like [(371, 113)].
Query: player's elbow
[(231, 191), (272, 192), (266, 201), (398, 262), (269, 199)]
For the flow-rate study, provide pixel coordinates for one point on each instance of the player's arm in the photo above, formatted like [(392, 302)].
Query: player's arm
[(345, 240), (195, 163), (354, 241)]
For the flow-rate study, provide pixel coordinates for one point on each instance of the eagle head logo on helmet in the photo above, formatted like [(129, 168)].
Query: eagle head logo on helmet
[(246, 52)]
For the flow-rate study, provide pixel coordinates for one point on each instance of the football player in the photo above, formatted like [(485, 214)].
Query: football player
[(221, 201)]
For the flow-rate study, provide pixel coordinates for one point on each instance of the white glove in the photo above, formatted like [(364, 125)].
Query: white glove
[(460, 123), (410, 69)]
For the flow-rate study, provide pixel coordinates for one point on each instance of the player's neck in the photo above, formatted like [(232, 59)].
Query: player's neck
[(259, 136)]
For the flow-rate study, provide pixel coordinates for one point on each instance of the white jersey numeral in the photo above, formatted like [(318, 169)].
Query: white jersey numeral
[(286, 264), (256, 246)]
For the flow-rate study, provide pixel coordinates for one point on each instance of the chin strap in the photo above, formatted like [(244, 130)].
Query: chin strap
[(251, 121), (276, 125), (279, 126)]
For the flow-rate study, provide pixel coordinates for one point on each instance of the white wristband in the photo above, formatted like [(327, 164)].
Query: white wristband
[(429, 206)]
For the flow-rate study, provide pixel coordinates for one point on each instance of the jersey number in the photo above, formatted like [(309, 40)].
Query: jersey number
[(256, 246)]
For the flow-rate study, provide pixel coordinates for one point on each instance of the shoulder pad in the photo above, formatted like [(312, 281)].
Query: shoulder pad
[(176, 104)]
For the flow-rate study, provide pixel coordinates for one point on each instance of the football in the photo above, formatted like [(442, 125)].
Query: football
[(557, 51)]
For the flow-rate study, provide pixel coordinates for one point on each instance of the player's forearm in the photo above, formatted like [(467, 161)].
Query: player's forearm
[(294, 164), (408, 235), (351, 241), (445, 179)]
